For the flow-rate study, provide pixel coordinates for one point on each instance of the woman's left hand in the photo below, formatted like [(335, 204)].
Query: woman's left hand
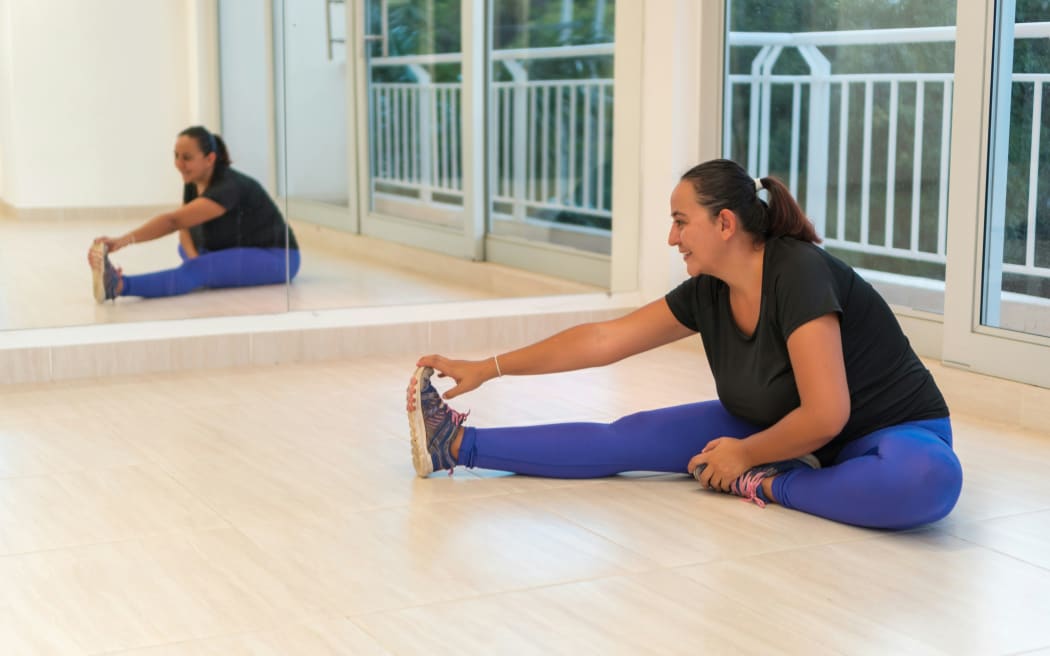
[(113, 244), (726, 459)]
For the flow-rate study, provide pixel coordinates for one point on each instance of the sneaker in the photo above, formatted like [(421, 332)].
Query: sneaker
[(104, 276), (749, 484), (433, 426)]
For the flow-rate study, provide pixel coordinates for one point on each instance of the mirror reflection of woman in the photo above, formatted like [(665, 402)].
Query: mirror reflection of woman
[(231, 233)]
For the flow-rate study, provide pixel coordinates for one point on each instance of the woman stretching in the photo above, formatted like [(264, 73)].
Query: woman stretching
[(231, 233), (822, 406)]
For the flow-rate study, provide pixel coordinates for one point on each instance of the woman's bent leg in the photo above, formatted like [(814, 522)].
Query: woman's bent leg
[(656, 440), (240, 267), (897, 477)]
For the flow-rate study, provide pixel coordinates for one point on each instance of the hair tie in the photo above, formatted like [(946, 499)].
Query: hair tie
[(758, 184)]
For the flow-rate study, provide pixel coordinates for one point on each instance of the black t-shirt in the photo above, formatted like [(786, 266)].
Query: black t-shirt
[(888, 384), (252, 220)]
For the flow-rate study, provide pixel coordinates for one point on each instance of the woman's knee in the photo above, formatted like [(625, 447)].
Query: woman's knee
[(934, 486)]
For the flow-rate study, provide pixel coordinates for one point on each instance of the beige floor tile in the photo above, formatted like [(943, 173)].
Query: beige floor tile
[(393, 558), (320, 637), (674, 522), (1025, 537), (52, 444), (657, 613), (143, 592), (1003, 470), (97, 505), (933, 588)]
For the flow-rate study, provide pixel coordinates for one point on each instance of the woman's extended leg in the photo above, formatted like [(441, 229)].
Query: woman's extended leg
[(897, 477), (233, 267), (655, 440)]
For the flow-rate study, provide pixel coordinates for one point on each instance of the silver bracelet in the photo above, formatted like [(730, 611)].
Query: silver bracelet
[(499, 372)]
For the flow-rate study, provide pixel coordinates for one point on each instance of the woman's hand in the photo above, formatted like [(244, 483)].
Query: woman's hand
[(726, 458), (113, 244), (468, 374)]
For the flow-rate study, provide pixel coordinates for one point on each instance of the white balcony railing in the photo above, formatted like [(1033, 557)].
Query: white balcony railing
[(550, 140)]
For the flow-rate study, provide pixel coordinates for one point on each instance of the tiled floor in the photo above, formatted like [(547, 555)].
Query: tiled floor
[(275, 511)]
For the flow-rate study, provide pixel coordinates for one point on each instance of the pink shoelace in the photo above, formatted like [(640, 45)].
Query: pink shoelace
[(747, 486)]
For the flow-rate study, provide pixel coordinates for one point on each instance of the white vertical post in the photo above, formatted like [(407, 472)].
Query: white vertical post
[(817, 141), (1033, 173), (916, 167), (521, 136), (865, 164), (767, 101), (472, 121), (891, 165), (995, 215), (426, 131)]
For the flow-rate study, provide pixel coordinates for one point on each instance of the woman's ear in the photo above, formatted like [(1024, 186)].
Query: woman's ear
[(727, 223)]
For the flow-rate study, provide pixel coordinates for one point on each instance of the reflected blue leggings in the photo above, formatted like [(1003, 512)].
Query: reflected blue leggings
[(231, 267), (896, 477)]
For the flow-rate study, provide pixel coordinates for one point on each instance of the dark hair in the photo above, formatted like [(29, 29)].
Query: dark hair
[(209, 142), (722, 184)]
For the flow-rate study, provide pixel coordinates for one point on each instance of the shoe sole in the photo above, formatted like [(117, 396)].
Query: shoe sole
[(418, 428), (98, 268), (810, 460)]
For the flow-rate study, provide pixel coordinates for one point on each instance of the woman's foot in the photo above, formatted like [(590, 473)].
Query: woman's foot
[(434, 426), (755, 484), (105, 278)]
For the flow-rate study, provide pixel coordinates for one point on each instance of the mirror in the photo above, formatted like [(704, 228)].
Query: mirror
[(368, 159), (379, 166), (94, 96)]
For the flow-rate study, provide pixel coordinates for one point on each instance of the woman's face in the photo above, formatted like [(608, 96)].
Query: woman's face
[(693, 230), (193, 164)]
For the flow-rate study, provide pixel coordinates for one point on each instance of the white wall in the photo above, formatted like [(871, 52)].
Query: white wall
[(5, 103), (96, 93), (673, 116), (246, 69), (315, 109)]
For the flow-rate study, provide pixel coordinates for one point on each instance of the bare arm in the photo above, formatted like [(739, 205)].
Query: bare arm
[(815, 349), (195, 212), (186, 241), (579, 347)]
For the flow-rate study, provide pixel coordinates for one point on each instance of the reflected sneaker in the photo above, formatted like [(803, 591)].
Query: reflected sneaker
[(749, 484), (104, 276), (433, 426)]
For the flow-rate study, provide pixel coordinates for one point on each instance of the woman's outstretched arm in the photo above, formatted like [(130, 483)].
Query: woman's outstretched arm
[(586, 345), (195, 212)]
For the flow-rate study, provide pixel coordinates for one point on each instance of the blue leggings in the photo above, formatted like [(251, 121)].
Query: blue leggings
[(231, 267), (896, 477)]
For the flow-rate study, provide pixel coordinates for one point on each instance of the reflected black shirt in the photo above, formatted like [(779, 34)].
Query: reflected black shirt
[(888, 384), (252, 220)]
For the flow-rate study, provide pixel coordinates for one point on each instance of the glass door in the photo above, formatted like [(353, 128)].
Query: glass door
[(414, 95), (313, 133), (852, 110), (1016, 264), (1003, 326), (550, 136)]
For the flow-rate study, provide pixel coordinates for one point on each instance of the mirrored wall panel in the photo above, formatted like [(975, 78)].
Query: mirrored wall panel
[(96, 97), (373, 126)]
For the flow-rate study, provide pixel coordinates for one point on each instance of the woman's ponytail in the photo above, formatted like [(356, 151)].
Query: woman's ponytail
[(785, 215)]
